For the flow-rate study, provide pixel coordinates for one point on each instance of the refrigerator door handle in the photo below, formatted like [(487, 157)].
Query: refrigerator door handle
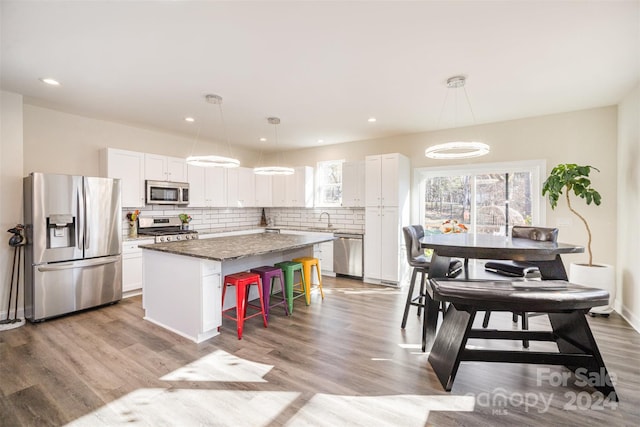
[(80, 226), (86, 192), (79, 264)]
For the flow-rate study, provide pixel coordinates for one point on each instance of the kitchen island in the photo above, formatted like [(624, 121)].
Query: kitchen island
[(182, 289)]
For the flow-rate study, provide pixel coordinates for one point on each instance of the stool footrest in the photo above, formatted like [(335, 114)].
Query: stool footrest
[(254, 307)]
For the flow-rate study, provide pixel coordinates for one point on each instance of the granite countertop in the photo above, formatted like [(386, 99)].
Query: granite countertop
[(233, 247)]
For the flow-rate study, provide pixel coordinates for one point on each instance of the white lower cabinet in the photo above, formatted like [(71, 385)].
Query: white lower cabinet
[(211, 309), (384, 246), (326, 255), (132, 277), (183, 294)]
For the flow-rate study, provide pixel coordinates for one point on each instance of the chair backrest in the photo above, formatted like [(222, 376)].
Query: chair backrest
[(535, 233), (412, 236)]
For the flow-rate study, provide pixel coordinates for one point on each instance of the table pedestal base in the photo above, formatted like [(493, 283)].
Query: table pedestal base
[(578, 350)]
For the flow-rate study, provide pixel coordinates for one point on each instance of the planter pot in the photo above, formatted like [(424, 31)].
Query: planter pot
[(133, 229), (602, 276)]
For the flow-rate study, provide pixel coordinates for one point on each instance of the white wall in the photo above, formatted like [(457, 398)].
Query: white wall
[(58, 142), (10, 191), (628, 220), (583, 137)]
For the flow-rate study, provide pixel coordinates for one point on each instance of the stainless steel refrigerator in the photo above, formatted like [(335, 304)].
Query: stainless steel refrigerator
[(73, 255)]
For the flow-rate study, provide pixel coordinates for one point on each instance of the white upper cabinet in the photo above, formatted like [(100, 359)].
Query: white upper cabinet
[(128, 166), (264, 191), (383, 186), (293, 190), (353, 183), (278, 190), (241, 188), (299, 187), (164, 168), (207, 187)]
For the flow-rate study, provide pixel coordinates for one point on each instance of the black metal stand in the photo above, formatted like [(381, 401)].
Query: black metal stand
[(17, 242)]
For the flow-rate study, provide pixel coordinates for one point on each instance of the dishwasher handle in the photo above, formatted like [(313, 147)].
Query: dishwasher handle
[(347, 236)]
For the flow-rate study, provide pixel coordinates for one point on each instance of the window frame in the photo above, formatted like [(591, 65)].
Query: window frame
[(537, 168), (319, 186)]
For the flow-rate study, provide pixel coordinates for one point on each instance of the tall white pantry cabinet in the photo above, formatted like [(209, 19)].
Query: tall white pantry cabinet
[(386, 212)]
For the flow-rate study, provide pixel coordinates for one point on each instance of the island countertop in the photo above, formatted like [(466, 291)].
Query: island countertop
[(240, 246)]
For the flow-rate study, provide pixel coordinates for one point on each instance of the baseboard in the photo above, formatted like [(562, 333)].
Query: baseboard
[(630, 317), (132, 293)]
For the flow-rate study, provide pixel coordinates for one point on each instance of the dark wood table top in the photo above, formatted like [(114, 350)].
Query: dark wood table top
[(487, 246)]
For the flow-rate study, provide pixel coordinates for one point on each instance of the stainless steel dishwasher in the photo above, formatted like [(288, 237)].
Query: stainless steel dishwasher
[(347, 254)]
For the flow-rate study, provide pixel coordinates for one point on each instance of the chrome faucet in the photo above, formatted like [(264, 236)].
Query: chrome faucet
[(329, 225)]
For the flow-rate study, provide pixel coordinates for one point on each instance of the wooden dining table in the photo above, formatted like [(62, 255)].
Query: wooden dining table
[(545, 255), (564, 303)]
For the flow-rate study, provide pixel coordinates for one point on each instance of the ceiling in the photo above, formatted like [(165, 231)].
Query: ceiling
[(322, 67)]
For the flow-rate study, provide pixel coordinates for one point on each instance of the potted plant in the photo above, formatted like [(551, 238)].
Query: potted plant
[(567, 178), (185, 219)]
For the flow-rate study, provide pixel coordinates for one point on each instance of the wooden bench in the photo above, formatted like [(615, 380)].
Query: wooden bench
[(565, 303)]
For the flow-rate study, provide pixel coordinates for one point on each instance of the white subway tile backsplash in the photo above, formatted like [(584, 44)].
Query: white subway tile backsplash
[(349, 218), (205, 218), (222, 218)]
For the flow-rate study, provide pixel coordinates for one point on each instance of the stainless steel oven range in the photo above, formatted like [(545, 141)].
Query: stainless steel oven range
[(165, 229)]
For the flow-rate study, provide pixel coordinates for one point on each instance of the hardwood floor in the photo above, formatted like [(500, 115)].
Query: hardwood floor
[(341, 361)]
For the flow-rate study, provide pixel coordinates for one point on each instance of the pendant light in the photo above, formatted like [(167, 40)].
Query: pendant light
[(458, 149), (212, 160), (273, 170)]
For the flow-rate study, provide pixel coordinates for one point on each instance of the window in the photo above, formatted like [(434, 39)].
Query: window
[(329, 183), (479, 196)]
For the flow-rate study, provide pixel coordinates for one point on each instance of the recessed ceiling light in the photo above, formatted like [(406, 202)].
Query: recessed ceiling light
[(50, 81), (189, 119), (263, 139), (320, 141), (371, 119)]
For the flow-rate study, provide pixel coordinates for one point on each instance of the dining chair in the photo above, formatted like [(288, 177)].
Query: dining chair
[(420, 263), (541, 234)]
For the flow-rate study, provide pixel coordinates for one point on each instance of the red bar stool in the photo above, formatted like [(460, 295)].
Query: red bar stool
[(243, 282), (308, 262), (267, 275)]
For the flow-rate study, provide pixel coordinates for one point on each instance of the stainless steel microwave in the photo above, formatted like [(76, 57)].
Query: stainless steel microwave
[(167, 193)]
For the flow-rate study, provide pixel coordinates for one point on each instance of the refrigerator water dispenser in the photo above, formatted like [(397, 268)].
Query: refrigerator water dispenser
[(61, 231)]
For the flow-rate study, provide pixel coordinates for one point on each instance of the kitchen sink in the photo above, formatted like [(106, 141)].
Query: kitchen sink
[(324, 229)]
